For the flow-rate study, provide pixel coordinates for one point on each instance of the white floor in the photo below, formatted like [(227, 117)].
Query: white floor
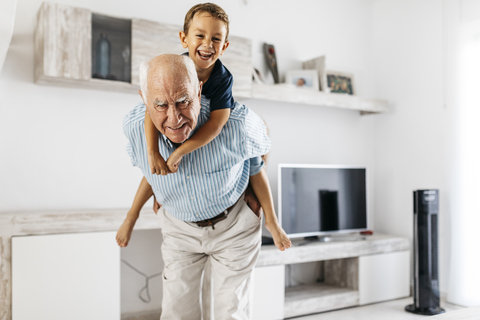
[(390, 310)]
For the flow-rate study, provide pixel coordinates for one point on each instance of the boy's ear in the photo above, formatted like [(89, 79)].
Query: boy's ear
[(225, 46), (183, 39)]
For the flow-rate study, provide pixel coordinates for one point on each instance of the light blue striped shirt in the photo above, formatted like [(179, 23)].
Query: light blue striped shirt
[(211, 178)]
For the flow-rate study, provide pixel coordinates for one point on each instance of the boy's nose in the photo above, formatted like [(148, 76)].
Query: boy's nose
[(207, 43)]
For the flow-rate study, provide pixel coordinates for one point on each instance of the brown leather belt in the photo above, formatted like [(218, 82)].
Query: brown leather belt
[(214, 220)]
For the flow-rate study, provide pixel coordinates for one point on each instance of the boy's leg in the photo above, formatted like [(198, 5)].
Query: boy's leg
[(235, 246), (182, 274)]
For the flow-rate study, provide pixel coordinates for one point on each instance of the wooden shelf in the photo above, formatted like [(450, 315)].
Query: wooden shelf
[(317, 251), (318, 297), (291, 94), (63, 56)]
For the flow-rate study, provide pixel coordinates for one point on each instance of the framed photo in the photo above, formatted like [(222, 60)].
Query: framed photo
[(340, 82), (319, 65), (307, 79)]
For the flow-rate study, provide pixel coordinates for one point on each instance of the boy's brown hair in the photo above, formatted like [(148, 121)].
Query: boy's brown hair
[(210, 8)]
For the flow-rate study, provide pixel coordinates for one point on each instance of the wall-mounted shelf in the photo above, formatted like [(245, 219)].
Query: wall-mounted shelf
[(66, 41), (290, 93)]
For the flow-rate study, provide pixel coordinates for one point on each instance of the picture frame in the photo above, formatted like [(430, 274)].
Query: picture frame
[(305, 79), (340, 82), (319, 65)]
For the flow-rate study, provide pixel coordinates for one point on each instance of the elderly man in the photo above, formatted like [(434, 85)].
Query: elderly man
[(203, 213)]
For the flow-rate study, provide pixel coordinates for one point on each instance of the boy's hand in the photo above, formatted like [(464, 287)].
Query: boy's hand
[(157, 164), (173, 161)]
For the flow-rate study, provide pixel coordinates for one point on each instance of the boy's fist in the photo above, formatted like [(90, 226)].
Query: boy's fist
[(157, 164)]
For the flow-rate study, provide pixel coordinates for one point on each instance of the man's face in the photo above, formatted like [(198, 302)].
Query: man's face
[(172, 104)]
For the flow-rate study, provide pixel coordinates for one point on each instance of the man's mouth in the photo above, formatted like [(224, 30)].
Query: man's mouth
[(205, 55), (176, 128)]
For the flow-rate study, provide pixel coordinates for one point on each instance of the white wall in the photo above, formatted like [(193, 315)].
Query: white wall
[(410, 141), (64, 148)]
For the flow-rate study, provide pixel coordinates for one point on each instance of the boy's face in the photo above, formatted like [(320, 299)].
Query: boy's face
[(205, 40)]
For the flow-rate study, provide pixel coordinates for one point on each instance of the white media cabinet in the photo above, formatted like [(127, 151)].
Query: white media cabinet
[(353, 273)]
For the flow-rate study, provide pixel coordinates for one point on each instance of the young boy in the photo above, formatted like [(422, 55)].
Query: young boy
[(205, 34)]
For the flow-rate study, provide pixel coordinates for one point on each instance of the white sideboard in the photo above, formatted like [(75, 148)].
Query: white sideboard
[(71, 276), (354, 272)]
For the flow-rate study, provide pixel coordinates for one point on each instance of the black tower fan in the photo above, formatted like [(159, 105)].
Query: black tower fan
[(426, 295)]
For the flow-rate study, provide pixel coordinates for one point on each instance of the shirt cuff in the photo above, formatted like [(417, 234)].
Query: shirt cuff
[(256, 165)]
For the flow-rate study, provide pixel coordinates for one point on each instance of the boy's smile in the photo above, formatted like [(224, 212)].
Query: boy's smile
[(205, 42)]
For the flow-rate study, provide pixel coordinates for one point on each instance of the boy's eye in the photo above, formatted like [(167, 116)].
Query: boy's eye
[(216, 39), (199, 35)]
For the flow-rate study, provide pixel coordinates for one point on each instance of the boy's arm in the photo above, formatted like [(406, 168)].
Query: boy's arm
[(205, 134), (155, 161)]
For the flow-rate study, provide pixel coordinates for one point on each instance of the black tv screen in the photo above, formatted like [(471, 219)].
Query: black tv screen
[(319, 200)]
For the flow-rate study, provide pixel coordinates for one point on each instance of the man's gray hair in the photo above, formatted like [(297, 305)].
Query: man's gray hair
[(189, 65)]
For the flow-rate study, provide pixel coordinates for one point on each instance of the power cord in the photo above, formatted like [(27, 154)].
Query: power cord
[(147, 280)]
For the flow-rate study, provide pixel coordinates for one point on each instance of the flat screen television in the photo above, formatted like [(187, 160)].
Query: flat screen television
[(320, 200)]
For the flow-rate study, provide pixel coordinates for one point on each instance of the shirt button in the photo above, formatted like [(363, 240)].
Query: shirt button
[(191, 198), (188, 177)]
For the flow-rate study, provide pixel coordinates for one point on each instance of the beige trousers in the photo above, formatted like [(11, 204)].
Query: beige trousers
[(231, 249)]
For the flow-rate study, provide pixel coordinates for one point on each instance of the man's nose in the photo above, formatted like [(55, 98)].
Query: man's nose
[(173, 114)]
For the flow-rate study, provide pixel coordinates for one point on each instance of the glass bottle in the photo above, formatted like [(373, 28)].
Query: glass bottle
[(102, 57)]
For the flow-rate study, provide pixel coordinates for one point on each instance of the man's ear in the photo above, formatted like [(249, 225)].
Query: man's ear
[(183, 39), (225, 46), (200, 86), (141, 95)]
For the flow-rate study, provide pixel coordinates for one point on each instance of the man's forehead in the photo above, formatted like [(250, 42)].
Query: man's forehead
[(172, 86)]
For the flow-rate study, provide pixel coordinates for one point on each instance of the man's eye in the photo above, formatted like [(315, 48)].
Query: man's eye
[(183, 103), (160, 106)]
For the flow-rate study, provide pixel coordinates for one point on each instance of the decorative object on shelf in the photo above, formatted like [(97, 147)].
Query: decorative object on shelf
[(319, 65), (269, 50), (126, 63), (103, 52), (340, 82), (307, 79), (257, 76)]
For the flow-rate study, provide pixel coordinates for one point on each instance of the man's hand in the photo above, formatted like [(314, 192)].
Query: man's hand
[(252, 201), (157, 164)]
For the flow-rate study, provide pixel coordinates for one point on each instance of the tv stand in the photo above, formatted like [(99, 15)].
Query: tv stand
[(349, 237), (352, 273)]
